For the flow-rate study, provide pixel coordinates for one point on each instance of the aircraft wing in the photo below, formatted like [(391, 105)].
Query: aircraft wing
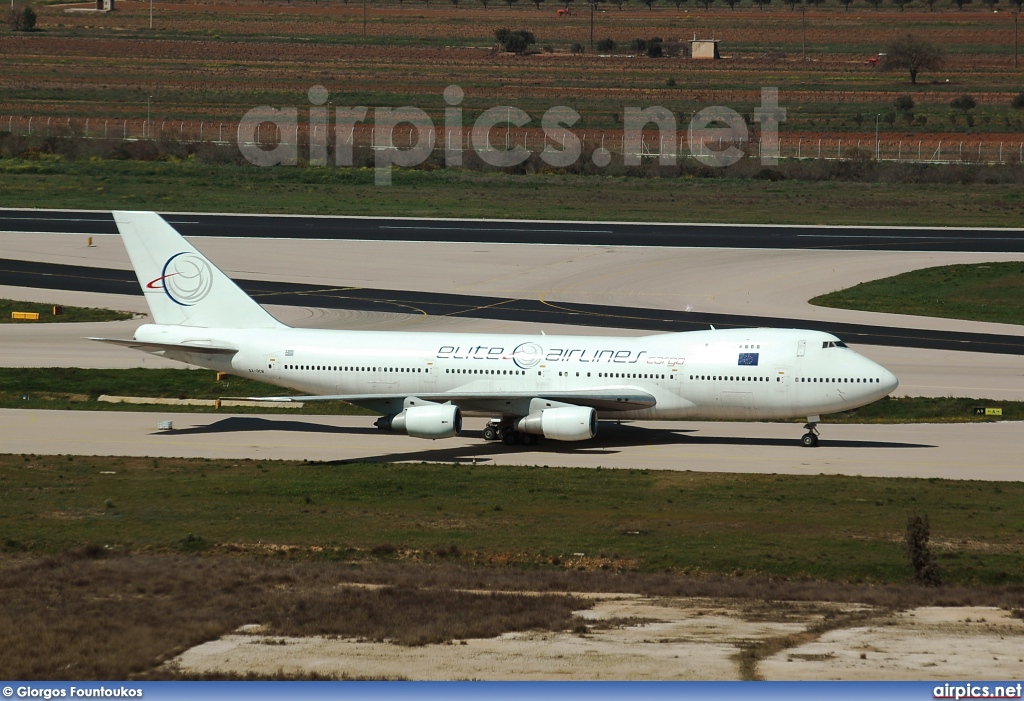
[(156, 347), (612, 398)]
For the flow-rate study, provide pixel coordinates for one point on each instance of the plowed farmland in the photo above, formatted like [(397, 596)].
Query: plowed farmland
[(215, 61)]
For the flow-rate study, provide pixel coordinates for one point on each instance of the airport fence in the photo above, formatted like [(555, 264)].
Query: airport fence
[(363, 140)]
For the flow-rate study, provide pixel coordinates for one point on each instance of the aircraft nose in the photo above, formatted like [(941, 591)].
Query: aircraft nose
[(889, 381)]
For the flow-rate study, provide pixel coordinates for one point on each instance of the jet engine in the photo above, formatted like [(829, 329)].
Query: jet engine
[(569, 423), (432, 421)]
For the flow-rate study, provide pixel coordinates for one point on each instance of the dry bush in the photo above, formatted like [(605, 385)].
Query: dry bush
[(414, 616)]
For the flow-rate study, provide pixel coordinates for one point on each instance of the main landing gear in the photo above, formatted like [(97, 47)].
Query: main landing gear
[(503, 431), (810, 439)]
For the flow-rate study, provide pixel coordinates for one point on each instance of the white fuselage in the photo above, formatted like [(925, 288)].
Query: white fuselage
[(727, 374)]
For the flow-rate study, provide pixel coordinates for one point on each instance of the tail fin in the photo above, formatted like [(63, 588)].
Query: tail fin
[(182, 287)]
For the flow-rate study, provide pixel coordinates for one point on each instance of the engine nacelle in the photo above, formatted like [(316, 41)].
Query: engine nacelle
[(569, 423), (432, 421)]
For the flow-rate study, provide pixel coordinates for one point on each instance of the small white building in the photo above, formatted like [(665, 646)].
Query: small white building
[(702, 48)]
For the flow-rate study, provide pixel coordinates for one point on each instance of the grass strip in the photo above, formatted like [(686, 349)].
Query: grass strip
[(197, 187), (895, 410), (977, 292), (46, 316), (828, 527), (79, 389)]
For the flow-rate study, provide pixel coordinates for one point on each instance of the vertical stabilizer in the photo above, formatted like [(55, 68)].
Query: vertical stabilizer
[(182, 287)]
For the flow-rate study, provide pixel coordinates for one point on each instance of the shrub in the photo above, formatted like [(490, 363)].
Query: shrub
[(963, 103), (654, 49), (1018, 102), (501, 35), (517, 42), (638, 45), (28, 20), (606, 45), (577, 48), (903, 103), (919, 551), (673, 48)]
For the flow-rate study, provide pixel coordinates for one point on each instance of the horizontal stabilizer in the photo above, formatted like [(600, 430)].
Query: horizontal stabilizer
[(156, 347)]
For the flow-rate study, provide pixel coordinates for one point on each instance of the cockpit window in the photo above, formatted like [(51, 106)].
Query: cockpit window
[(833, 344)]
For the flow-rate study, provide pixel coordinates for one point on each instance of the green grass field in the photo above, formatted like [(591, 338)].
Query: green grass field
[(46, 315), (828, 527), (193, 186), (984, 292)]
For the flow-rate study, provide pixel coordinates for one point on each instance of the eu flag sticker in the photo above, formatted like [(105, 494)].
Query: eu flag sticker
[(748, 359)]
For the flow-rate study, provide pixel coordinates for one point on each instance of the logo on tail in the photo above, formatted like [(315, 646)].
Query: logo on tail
[(186, 279)]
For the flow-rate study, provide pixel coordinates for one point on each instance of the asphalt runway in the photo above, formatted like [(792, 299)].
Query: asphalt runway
[(90, 279), (537, 232), (957, 451)]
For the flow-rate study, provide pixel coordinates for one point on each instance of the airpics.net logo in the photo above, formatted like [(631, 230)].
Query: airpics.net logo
[(715, 135), (186, 279)]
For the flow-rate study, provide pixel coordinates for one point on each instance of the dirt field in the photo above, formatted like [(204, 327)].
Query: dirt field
[(667, 639)]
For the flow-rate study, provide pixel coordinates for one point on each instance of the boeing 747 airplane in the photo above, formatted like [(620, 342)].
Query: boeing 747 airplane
[(529, 386)]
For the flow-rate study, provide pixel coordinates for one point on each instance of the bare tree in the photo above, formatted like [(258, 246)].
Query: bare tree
[(14, 20), (912, 54)]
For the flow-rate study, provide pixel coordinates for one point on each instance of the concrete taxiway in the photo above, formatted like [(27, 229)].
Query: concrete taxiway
[(957, 451)]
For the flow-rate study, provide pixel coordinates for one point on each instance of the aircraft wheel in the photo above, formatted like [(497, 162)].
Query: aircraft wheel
[(527, 439), (510, 437), (490, 433), (809, 440)]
